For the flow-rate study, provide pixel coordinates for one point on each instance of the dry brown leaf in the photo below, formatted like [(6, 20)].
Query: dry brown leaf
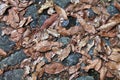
[(83, 42), (54, 68), (109, 74), (47, 4), (74, 69), (53, 32), (2, 52), (111, 33), (1, 72), (111, 23), (49, 56), (22, 22), (115, 56), (3, 8), (44, 46), (103, 72), (91, 65), (86, 27), (98, 66), (74, 75), (49, 21), (117, 5), (65, 52), (15, 36), (60, 11)]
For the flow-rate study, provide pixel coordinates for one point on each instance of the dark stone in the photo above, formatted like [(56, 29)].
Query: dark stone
[(62, 3), (2, 24), (13, 59), (65, 23), (32, 11), (94, 73), (6, 44), (71, 22), (64, 40), (14, 74), (107, 41), (91, 13), (72, 59), (42, 19), (112, 10), (85, 78)]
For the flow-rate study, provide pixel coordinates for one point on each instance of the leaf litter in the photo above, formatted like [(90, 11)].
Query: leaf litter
[(46, 53)]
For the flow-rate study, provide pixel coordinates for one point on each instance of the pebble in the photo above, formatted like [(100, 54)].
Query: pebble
[(112, 10), (94, 74), (13, 59), (91, 13), (42, 19), (64, 40), (6, 44), (32, 11), (72, 59), (85, 78), (14, 74), (62, 3)]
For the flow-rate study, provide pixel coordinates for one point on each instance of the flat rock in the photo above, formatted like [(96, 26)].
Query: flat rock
[(6, 44), (14, 74), (72, 59), (85, 78), (13, 59)]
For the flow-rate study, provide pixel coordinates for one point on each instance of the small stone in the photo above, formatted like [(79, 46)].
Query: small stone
[(42, 19), (94, 74), (13, 59), (64, 40), (85, 78), (62, 3), (32, 11), (65, 23), (6, 44), (91, 13), (72, 59), (14, 74), (112, 10)]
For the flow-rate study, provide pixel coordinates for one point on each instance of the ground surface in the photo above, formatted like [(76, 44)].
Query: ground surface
[(59, 40)]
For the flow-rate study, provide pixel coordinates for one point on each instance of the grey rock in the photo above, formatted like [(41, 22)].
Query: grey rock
[(14, 75), (62, 3), (64, 40), (41, 19), (85, 78), (32, 11), (112, 10), (13, 59), (6, 44), (72, 59), (91, 13)]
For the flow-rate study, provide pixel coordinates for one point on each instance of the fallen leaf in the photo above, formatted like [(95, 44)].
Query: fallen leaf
[(53, 32), (60, 11), (49, 21), (86, 27), (74, 69), (54, 68), (103, 72), (65, 52), (2, 52), (3, 8)]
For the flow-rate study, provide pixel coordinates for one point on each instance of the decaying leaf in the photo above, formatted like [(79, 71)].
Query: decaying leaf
[(74, 69), (86, 27), (2, 52), (54, 68), (53, 32), (103, 72), (111, 23), (49, 21), (83, 42), (61, 11), (64, 53), (47, 4), (3, 8)]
